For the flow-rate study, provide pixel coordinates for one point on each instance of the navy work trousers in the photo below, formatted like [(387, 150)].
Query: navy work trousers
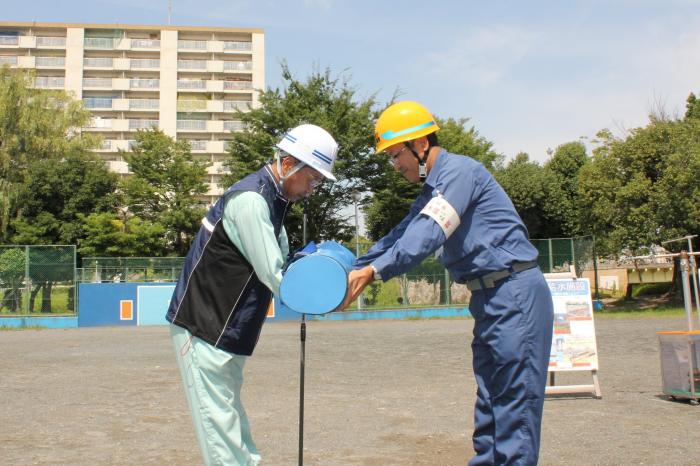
[(511, 348)]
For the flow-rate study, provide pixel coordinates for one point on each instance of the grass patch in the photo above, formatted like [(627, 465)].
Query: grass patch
[(637, 312), (650, 289), (644, 305)]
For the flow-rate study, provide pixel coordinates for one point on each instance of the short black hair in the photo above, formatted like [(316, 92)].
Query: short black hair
[(432, 140)]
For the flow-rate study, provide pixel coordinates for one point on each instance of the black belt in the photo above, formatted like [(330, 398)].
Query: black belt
[(490, 279)]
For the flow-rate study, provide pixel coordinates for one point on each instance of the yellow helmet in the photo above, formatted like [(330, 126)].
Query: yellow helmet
[(403, 121)]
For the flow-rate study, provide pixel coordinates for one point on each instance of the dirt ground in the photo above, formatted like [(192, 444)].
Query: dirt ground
[(377, 393)]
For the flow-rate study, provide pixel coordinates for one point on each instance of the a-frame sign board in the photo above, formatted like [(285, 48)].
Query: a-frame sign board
[(573, 339)]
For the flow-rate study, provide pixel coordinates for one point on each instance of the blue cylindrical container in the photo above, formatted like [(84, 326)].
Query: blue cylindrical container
[(318, 282)]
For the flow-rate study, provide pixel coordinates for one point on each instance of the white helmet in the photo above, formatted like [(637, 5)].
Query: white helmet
[(313, 146)]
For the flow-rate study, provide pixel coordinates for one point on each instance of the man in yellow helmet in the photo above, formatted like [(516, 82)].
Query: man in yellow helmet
[(463, 213)]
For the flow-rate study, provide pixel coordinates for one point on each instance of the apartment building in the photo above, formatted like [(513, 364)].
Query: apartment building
[(188, 81)]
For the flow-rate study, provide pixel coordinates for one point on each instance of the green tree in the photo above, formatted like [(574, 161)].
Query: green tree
[(12, 270), (56, 192), (642, 189), (456, 137), (561, 205), (108, 235), (529, 186), (35, 125), (692, 107), (164, 188), (51, 200), (331, 103)]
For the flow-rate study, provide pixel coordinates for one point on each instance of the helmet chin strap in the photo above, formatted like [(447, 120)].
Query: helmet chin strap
[(296, 168), (422, 169)]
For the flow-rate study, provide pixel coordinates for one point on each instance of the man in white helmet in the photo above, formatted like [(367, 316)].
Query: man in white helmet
[(233, 268)]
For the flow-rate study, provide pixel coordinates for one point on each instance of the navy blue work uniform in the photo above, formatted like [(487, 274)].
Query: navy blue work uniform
[(511, 303)]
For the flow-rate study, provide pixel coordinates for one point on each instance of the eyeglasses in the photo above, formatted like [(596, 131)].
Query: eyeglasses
[(396, 155), (314, 180)]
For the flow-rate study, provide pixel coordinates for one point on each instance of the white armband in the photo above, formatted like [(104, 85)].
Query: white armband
[(443, 213)]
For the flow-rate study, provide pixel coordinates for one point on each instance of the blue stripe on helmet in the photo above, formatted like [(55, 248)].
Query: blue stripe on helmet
[(389, 135), (319, 155), (290, 137)]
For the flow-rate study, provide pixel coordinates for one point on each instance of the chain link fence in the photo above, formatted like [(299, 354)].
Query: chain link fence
[(37, 279), (42, 278), (558, 254), (429, 284), (130, 269)]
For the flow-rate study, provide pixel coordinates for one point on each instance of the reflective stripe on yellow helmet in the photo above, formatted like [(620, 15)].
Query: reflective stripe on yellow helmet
[(403, 121)]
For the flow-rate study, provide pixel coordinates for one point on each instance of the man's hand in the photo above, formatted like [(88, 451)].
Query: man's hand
[(357, 281)]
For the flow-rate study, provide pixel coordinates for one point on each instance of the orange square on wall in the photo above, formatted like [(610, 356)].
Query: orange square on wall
[(126, 309), (271, 309)]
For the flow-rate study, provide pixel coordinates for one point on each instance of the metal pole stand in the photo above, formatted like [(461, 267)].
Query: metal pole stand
[(302, 338)]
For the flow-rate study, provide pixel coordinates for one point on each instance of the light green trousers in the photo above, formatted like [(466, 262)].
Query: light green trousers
[(212, 379)]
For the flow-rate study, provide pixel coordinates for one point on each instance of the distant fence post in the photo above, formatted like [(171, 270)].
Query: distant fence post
[(27, 281)]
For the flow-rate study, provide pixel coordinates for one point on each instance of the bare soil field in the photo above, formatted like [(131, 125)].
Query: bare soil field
[(377, 393)]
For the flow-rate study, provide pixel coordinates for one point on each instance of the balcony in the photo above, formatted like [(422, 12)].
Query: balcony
[(144, 83), (191, 84), (198, 146), (50, 62), (192, 125), (8, 60), (191, 105), (138, 63), (199, 65), (234, 126), (145, 43), (9, 40), (237, 46), (97, 83), (142, 124), (232, 105), (51, 42), (220, 147), (200, 45), (98, 62), (100, 42), (234, 65), (100, 123), (118, 166), (106, 145), (103, 103), (216, 168), (49, 82), (144, 104), (238, 85)]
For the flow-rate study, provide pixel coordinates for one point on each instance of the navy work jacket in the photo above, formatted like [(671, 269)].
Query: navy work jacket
[(491, 235)]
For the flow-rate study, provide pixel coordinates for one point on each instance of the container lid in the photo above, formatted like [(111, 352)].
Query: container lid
[(315, 284)]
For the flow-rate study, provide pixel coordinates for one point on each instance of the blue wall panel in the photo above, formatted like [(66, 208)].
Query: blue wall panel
[(152, 304), (99, 303), (44, 322)]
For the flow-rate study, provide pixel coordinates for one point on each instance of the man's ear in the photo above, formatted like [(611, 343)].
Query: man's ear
[(421, 144)]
